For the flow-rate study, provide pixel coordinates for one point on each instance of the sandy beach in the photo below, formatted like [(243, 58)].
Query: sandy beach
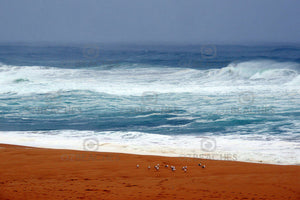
[(36, 173)]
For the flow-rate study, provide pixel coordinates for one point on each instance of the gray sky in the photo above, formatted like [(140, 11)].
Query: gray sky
[(136, 21)]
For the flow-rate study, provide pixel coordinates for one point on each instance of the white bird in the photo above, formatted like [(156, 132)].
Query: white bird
[(203, 166), (149, 167), (137, 166)]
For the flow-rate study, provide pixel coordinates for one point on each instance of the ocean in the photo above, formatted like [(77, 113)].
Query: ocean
[(223, 102)]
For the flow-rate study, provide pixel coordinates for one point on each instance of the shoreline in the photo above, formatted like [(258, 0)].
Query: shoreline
[(245, 150), (39, 173), (214, 155)]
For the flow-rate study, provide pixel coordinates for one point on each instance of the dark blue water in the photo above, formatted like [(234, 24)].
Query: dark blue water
[(134, 91), (61, 107), (172, 56)]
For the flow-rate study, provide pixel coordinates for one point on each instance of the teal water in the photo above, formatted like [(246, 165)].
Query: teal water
[(154, 95)]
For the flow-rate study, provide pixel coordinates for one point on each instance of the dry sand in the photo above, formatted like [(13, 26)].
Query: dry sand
[(36, 173)]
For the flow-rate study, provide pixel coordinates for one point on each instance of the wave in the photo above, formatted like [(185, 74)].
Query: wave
[(286, 49), (136, 78), (259, 70)]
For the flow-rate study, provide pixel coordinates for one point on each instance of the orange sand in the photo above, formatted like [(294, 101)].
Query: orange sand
[(35, 173)]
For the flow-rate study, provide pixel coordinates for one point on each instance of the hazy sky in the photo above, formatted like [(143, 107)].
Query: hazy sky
[(135, 21)]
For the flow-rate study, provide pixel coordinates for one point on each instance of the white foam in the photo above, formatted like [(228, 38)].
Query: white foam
[(248, 148), (135, 79)]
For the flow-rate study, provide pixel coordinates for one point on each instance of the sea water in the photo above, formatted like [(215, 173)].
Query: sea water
[(223, 102)]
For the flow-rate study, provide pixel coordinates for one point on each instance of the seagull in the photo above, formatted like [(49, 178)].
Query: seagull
[(149, 167), (137, 166), (199, 164), (166, 165), (184, 169), (203, 166), (173, 169)]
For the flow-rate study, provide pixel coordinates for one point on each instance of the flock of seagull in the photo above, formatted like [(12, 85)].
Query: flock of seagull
[(184, 168)]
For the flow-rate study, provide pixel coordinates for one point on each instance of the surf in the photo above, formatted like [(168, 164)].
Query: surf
[(140, 78)]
